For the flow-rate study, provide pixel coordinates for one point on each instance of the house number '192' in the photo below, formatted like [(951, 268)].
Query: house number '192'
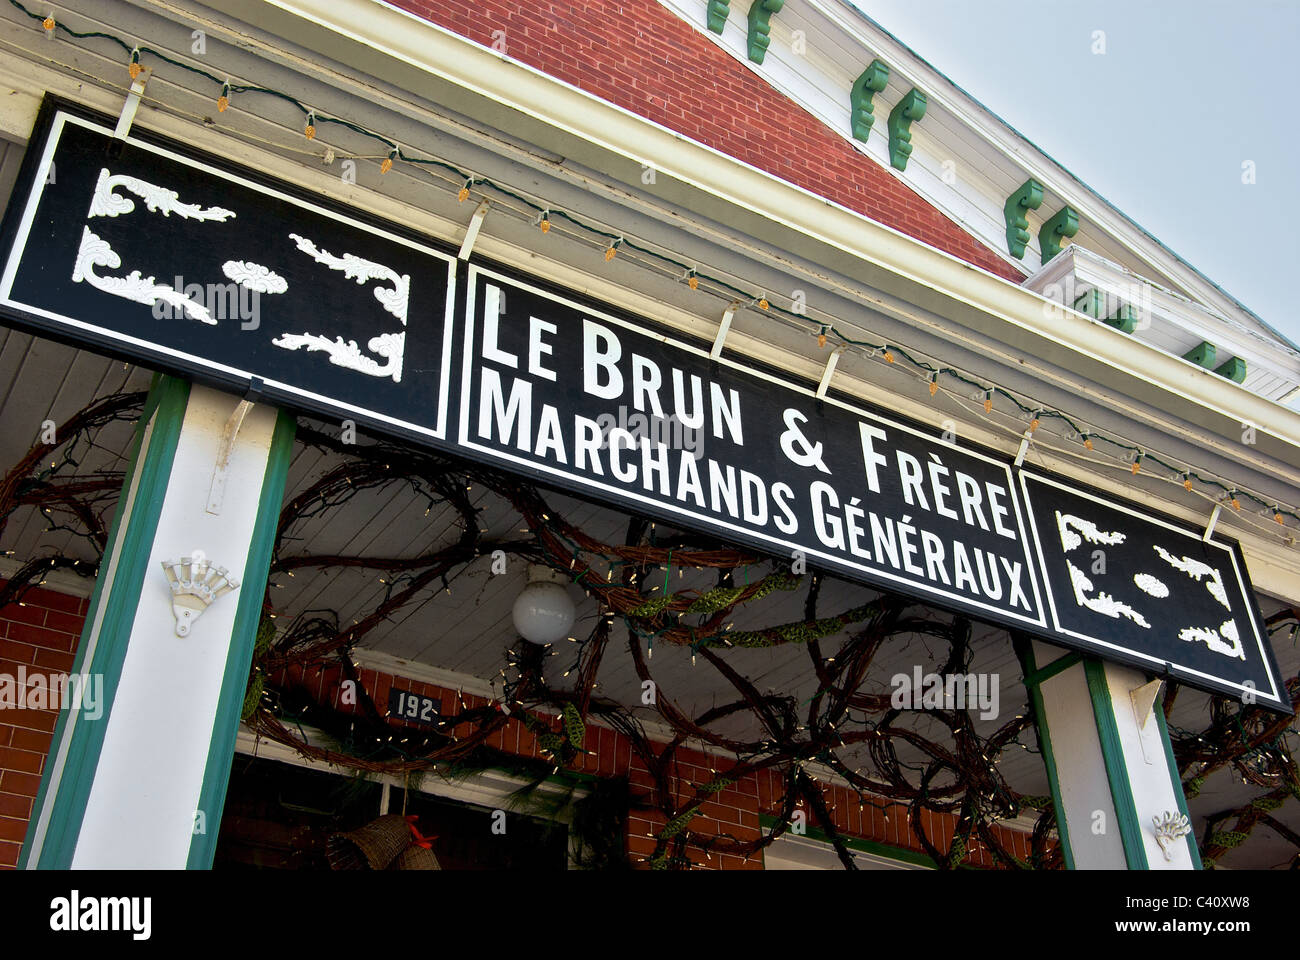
[(413, 707)]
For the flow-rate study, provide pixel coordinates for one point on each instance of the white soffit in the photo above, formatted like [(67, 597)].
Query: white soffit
[(1177, 323), (431, 60), (19, 111), (989, 159), (819, 80)]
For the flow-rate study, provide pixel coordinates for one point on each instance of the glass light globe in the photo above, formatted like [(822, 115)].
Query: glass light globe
[(543, 612)]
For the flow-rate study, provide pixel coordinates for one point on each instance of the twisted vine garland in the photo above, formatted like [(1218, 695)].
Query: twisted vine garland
[(955, 772)]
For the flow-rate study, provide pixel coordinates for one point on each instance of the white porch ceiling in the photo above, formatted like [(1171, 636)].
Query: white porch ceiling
[(268, 135), (468, 631)]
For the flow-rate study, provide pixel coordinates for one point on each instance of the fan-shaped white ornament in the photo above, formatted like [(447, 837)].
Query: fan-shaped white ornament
[(195, 583)]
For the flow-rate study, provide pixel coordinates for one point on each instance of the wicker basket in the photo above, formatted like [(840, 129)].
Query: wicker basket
[(416, 857), (372, 847)]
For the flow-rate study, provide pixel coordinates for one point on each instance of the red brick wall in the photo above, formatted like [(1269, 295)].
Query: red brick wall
[(734, 810), (640, 56), (41, 635), (737, 808), (43, 632)]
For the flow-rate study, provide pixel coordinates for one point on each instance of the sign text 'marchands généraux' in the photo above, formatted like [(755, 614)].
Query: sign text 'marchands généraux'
[(145, 249), (585, 396)]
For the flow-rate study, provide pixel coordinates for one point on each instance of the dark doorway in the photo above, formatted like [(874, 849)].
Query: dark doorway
[(278, 816)]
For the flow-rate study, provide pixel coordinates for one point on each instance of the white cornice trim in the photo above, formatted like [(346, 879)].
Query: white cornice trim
[(422, 673), (58, 581), (1029, 158), (343, 28), (956, 202), (1272, 563), (1232, 337)]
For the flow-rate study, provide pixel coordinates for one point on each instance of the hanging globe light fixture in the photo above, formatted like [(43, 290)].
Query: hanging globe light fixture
[(543, 613)]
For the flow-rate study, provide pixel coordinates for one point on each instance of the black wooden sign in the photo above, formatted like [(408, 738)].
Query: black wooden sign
[(1134, 587), (151, 251), (580, 396), (184, 263)]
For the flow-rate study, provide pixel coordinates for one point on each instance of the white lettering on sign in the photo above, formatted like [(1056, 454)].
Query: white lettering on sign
[(679, 428), (601, 377)]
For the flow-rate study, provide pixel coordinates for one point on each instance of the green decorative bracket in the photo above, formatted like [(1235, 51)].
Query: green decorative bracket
[(760, 27), (1028, 197), (1234, 370), (861, 110), (1125, 319), (1202, 356), (1064, 224), (906, 112), (1092, 303), (717, 14)]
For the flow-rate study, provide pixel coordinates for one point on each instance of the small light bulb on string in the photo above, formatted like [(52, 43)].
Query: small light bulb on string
[(544, 224), (223, 101), (762, 303), (133, 68), (988, 401), (693, 281), (1087, 442), (934, 383), (1236, 504), (821, 337), (612, 250), (463, 195), (1187, 482), (309, 131), (1137, 464), (889, 355), (1277, 516), (388, 161), (1033, 421), (48, 24)]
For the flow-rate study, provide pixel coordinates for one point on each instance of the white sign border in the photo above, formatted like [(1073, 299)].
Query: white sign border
[(19, 250), (616, 493), (1265, 656)]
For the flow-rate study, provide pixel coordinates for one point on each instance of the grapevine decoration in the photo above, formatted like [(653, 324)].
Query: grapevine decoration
[(390, 152), (905, 762)]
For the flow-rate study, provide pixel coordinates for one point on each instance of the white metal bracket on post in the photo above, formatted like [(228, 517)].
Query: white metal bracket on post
[(1024, 447), (828, 372), (217, 491), (1214, 518), (132, 104), (723, 329), (471, 234), (1143, 699)]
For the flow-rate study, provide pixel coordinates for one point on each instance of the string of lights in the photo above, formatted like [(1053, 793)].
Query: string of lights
[(935, 374), (845, 735)]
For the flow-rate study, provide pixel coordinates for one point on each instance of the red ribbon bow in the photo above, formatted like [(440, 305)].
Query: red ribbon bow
[(417, 838)]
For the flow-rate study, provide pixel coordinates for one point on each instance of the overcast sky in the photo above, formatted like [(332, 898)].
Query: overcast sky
[(1159, 125)]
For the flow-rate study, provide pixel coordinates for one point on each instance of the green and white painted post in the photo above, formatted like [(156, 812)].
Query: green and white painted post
[(142, 785), (1102, 730)]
